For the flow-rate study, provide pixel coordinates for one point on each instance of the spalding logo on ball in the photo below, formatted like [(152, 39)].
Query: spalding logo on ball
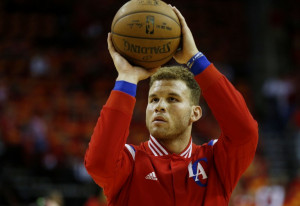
[(146, 32)]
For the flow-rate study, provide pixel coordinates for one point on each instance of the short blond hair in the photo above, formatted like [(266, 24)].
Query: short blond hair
[(179, 73)]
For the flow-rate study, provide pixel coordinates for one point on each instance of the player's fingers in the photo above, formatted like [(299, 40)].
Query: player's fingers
[(113, 53), (111, 48), (180, 17)]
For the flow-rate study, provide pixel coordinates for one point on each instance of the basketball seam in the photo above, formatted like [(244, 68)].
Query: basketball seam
[(177, 37), (130, 58), (142, 12)]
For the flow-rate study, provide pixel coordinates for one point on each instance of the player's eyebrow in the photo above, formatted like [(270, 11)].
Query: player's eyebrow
[(170, 94), (152, 95), (174, 94)]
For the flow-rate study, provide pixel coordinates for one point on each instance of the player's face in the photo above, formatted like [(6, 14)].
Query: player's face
[(169, 109)]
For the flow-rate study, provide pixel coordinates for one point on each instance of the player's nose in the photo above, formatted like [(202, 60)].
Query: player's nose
[(160, 106)]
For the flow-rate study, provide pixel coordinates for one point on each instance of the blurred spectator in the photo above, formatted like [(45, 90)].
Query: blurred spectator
[(38, 132), (278, 92), (54, 198), (3, 91), (270, 196), (293, 193), (97, 200), (39, 65)]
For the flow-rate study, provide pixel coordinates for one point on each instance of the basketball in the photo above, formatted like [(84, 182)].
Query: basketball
[(146, 32)]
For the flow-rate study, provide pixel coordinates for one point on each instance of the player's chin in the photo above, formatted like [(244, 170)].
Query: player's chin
[(159, 133)]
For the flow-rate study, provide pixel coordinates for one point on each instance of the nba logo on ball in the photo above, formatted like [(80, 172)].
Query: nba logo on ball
[(150, 25), (146, 33)]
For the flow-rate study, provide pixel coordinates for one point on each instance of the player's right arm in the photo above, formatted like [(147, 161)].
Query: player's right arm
[(108, 160)]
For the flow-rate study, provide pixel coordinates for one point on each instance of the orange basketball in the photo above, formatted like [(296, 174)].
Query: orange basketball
[(146, 32)]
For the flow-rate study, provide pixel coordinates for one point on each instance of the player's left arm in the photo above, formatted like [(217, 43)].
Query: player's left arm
[(236, 146)]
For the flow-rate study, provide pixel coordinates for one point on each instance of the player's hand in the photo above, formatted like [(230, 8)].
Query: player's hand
[(126, 71), (189, 48)]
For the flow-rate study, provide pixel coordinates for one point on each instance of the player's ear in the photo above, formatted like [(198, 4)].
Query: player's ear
[(196, 113)]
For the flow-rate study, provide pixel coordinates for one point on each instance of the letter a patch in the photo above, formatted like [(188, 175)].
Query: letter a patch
[(197, 172)]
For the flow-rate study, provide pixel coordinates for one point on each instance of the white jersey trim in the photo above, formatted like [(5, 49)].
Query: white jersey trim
[(152, 147), (156, 143), (215, 141), (131, 150), (158, 150), (188, 152)]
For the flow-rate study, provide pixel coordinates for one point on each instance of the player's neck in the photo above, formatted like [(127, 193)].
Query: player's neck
[(177, 144)]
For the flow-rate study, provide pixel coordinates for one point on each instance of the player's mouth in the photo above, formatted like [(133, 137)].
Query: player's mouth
[(159, 119)]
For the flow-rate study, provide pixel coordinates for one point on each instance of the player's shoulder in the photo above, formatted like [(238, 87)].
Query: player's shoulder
[(134, 149), (205, 148), (208, 144)]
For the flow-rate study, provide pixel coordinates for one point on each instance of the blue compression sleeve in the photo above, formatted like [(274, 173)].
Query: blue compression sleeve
[(198, 63), (126, 87)]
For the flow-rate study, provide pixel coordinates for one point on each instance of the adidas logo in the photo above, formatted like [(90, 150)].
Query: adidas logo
[(151, 176)]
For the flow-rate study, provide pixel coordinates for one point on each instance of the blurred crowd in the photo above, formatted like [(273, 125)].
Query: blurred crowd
[(56, 73)]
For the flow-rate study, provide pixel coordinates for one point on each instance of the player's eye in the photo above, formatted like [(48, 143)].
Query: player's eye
[(172, 99), (153, 100)]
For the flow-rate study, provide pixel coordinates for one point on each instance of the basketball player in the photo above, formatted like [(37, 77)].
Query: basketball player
[(170, 169)]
